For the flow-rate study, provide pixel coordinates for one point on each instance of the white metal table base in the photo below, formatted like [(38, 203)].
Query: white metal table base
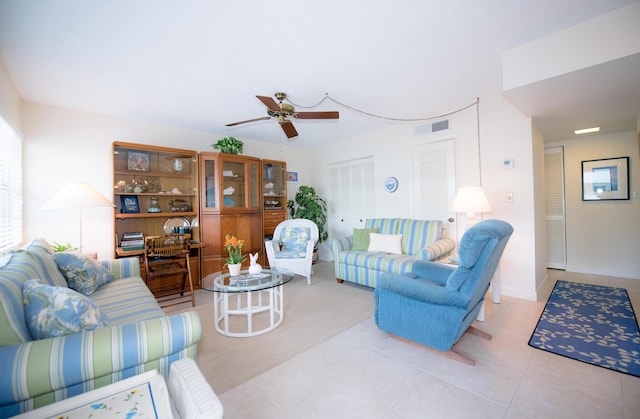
[(270, 301)]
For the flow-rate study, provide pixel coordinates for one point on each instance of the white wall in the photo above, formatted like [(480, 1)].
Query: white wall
[(63, 146), (540, 207), (602, 237), (507, 134)]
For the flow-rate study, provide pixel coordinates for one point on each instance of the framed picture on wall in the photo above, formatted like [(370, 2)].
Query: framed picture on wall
[(605, 179), (292, 176)]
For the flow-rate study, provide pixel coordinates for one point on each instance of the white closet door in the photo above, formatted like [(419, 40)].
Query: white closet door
[(434, 180), (352, 195), (554, 208)]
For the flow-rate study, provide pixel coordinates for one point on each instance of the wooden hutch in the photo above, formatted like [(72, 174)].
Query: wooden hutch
[(154, 190)]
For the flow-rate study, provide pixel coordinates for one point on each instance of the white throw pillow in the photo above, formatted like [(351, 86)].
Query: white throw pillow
[(387, 243)]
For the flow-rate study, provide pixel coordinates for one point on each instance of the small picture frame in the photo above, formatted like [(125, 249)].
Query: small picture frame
[(129, 204), (605, 179), (292, 176)]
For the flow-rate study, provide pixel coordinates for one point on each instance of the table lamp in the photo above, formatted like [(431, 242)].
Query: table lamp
[(471, 200)]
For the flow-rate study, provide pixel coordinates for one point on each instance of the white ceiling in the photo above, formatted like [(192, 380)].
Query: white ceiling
[(199, 64)]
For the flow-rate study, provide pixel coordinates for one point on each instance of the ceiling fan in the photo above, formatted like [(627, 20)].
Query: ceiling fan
[(283, 111)]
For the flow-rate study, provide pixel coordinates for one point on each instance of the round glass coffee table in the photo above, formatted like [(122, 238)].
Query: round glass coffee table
[(237, 299)]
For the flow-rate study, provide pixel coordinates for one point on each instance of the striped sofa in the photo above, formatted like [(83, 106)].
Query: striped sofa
[(141, 337), (421, 240)]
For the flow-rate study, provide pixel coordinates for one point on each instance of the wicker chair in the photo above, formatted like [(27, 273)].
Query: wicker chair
[(166, 256), (292, 246)]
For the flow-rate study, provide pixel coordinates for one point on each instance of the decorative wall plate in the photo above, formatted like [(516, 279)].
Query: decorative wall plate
[(391, 184), (179, 222)]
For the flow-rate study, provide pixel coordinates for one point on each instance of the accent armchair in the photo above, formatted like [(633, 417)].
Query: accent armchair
[(435, 304), (292, 246)]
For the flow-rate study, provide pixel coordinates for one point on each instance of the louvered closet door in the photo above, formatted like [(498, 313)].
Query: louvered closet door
[(352, 195), (434, 181), (554, 208)]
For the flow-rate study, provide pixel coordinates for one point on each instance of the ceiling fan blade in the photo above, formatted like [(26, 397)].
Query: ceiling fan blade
[(264, 118), (317, 115), (289, 129), (269, 103)]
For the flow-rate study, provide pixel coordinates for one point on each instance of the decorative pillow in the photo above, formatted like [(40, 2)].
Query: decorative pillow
[(83, 274), (387, 243), (361, 238), (295, 238), (56, 311)]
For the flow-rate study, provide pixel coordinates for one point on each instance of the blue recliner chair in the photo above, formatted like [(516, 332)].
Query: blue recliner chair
[(435, 304)]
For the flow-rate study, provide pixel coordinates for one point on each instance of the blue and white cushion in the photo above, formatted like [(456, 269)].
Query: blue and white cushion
[(83, 273), (56, 311), (294, 242)]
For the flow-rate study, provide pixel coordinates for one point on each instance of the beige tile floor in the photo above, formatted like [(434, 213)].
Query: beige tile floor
[(363, 373)]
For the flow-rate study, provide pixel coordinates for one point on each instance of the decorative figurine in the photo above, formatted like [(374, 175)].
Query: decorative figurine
[(254, 267)]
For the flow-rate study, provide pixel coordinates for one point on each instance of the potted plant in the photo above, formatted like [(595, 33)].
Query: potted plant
[(307, 204), (235, 259), (229, 145)]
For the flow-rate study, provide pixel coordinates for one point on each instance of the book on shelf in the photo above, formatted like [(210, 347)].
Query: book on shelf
[(132, 236), (132, 243)]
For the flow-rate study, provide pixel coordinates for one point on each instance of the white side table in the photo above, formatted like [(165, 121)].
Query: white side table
[(144, 394)]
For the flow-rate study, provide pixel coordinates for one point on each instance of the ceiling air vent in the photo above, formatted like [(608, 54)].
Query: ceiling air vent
[(432, 128)]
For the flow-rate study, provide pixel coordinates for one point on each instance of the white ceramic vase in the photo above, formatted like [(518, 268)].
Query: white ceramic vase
[(234, 268)]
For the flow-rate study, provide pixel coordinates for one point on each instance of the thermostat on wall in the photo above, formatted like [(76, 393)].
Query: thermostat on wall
[(507, 164)]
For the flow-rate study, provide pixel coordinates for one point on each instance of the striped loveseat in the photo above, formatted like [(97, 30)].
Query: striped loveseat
[(421, 240), (139, 337)]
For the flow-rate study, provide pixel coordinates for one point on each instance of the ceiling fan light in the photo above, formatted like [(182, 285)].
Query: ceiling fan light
[(586, 130)]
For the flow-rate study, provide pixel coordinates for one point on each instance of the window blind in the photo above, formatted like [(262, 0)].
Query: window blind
[(10, 187)]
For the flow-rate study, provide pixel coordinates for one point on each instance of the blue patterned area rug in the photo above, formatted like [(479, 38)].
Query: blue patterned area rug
[(590, 323)]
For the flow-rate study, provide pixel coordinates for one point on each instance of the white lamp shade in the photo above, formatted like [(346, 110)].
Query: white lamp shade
[(77, 195), (471, 199)]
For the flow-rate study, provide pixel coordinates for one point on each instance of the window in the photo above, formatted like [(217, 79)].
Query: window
[(10, 187)]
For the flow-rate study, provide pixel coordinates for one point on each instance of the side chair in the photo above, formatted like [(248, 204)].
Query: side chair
[(166, 256), (434, 305)]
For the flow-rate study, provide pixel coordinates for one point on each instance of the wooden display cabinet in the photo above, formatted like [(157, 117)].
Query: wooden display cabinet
[(154, 190), (274, 198), (229, 204)]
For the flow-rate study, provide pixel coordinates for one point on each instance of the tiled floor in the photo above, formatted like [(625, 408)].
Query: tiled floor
[(364, 373)]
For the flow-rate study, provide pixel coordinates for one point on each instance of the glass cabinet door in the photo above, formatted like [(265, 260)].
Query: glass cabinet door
[(210, 184), (233, 184), (274, 186), (254, 196)]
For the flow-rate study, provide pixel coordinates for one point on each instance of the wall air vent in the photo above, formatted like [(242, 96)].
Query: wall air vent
[(433, 128)]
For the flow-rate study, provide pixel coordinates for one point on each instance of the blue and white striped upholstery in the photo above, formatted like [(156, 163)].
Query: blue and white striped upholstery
[(40, 372), (420, 240)]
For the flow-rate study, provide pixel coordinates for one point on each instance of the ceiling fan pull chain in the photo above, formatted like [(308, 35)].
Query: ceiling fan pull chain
[(326, 96)]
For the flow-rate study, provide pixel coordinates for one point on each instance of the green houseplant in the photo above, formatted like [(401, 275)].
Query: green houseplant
[(307, 204), (229, 145)]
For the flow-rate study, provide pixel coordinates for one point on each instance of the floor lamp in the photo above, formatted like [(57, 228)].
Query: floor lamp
[(471, 200), (77, 196)]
